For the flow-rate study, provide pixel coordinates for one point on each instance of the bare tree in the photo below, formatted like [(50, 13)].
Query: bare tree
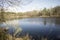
[(4, 4)]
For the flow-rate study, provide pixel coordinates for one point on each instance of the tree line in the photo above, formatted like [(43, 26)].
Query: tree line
[(52, 12)]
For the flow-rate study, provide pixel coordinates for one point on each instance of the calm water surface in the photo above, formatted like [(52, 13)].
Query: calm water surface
[(35, 26)]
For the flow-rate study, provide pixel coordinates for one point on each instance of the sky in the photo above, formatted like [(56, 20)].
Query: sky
[(35, 5)]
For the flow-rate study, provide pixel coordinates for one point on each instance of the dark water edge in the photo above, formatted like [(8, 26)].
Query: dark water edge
[(46, 31), (37, 28)]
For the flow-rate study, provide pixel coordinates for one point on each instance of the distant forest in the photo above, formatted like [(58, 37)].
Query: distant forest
[(51, 12)]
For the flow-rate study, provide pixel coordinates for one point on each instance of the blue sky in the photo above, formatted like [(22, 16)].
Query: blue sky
[(36, 5)]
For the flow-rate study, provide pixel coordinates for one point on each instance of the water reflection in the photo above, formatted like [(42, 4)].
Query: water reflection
[(39, 28), (57, 21), (12, 26)]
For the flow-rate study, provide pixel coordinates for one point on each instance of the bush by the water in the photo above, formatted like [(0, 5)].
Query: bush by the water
[(3, 34)]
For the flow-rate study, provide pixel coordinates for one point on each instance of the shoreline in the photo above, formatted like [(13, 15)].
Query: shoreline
[(30, 17)]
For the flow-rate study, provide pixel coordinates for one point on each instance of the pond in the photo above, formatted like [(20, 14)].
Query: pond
[(46, 27)]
